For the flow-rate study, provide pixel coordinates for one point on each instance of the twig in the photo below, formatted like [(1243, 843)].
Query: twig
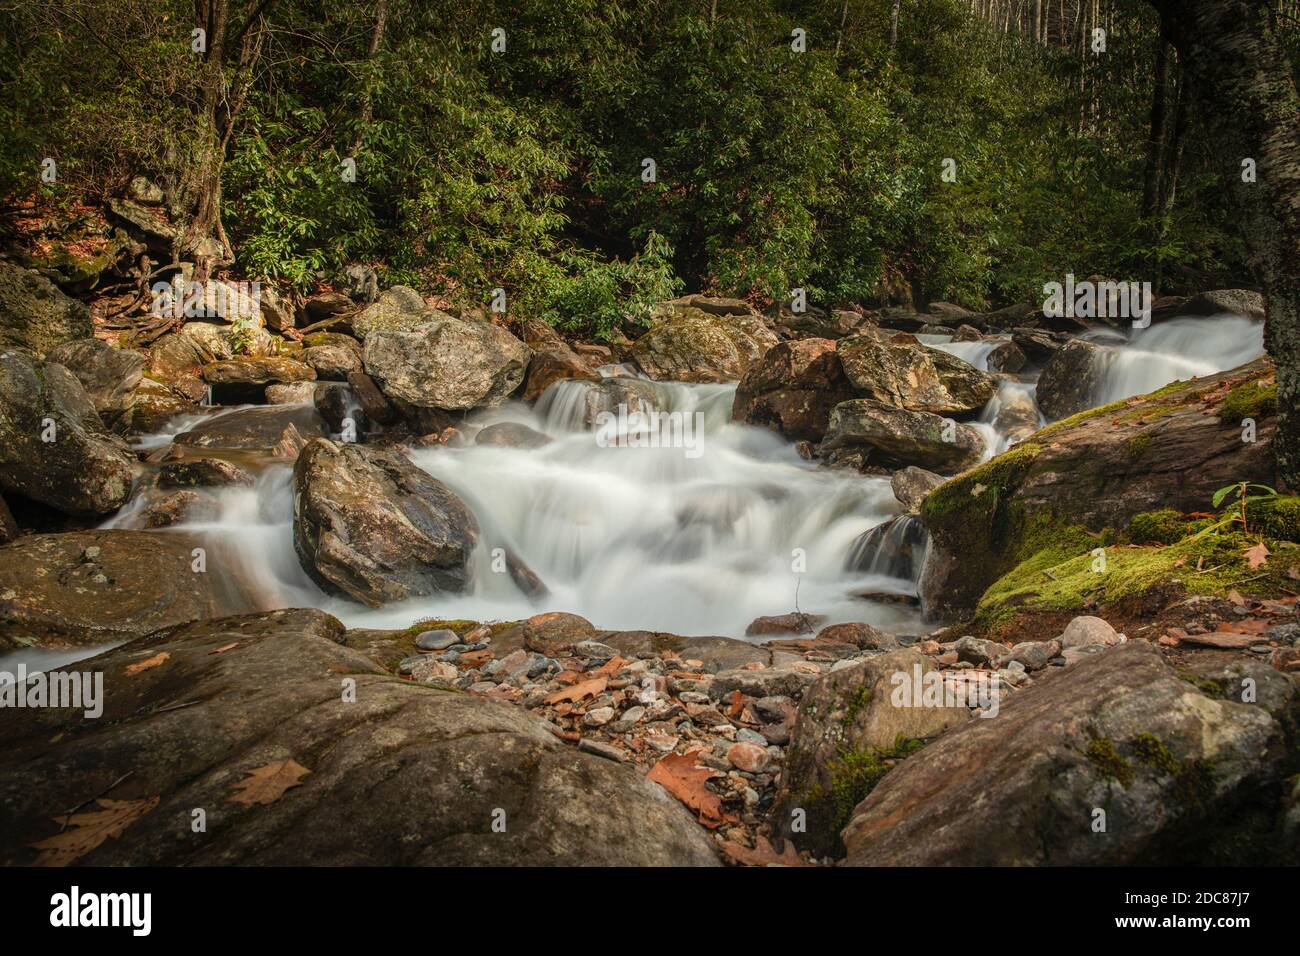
[(68, 816)]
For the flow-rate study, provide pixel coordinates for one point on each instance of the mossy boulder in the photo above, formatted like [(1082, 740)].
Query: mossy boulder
[(35, 315), (1093, 471), (901, 372), (1178, 777), (848, 733)]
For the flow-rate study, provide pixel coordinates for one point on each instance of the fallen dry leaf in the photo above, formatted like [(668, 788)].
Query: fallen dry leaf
[(580, 691), (267, 784), (226, 647), (763, 854), (1257, 555), (88, 830), (680, 776), (138, 666)]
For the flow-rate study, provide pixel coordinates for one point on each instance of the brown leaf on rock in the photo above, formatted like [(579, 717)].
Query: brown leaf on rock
[(1257, 555), (267, 784), (680, 776), (225, 647), (159, 658), (763, 854), (85, 831), (579, 691)]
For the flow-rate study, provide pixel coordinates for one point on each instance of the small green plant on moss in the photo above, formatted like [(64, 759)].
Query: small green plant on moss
[(242, 334), (1241, 490), (1101, 753), (1148, 749), (855, 774), (860, 699), (1206, 686)]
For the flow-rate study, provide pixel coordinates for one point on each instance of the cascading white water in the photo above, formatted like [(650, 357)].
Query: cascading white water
[(1178, 349)]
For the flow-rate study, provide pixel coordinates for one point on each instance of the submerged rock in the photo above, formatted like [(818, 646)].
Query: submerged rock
[(371, 525)]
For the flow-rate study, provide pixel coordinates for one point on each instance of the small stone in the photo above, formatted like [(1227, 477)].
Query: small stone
[(664, 743), (748, 757), (1089, 630), (598, 717), (594, 650), (746, 736), (438, 640), (633, 714)]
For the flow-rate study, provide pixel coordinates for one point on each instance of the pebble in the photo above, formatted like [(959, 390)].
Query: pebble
[(438, 640), (748, 757), (595, 650), (598, 717), (600, 749), (746, 736)]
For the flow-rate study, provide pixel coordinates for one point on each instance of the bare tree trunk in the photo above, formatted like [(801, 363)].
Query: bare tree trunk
[(844, 19), (1234, 59), (893, 23), (1158, 131)]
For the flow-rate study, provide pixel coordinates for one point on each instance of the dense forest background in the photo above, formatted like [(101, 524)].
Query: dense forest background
[(524, 168)]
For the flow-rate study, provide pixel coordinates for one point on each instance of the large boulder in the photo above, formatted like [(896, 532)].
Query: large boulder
[(399, 309), (183, 353), (391, 774), (1115, 760), (88, 587), (53, 446), (109, 376), (371, 525), (446, 363), (691, 345), (849, 721), (552, 362), (901, 372), (35, 315), (1220, 301), (896, 437), (792, 388), (1097, 470), (1071, 378)]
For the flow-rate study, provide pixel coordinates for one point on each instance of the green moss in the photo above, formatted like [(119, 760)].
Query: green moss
[(1248, 400), (1275, 517), (1066, 423), (1148, 749), (1129, 572), (1101, 753), (1157, 527), (1139, 444), (855, 774), (860, 699), (1206, 686), (1149, 413)]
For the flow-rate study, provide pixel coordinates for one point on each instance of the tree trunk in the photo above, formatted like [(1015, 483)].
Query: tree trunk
[(1158, 132), (376, 40), (1233, 58), (893, 23), (199, 200)]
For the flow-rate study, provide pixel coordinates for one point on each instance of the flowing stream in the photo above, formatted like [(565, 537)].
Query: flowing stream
[(701, 535)]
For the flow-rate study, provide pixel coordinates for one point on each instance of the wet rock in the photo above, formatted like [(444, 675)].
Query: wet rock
[(373, 403), (279, 429), (901, 373), (1007, 357), (53, 446), (855, 710), (1039, 345), (793, 623), (1071, 379), (610, 396), (1017, 415), (792, 388), (36, 315), (447, 364), (911, 484), (895, 549), (899, 437), (109, 376), (691, 345), (553, 362), (87, 587), (205, 472), (1220, 301), (338, 405), (371, 525), (511, 435), (1182, 778), (173, 509), (449, 763), (182, 354)]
